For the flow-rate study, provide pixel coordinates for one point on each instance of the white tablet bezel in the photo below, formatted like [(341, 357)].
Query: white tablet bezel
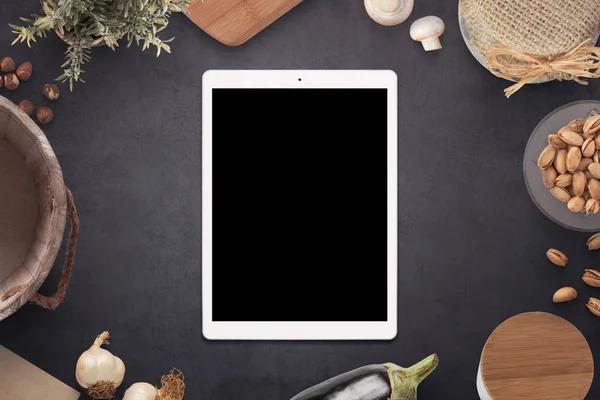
[(305, 79)]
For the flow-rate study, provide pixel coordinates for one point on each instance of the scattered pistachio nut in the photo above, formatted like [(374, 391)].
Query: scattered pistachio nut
[(593, 186), (594, 168), (564, 294), (560, 194), (588, 175), (593, 243), (584, 163), (560, 161), (576, 204), (562, 180), (549, 177), (556, 142), (592, 206), (573, 158), (588, 148), (579, 183), (592, 124), (591, 277), (557, 257), (577, 125), (593, 305), (570, 137), (547, 157)]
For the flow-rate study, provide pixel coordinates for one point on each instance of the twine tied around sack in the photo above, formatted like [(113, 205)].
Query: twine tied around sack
[(579, 63)]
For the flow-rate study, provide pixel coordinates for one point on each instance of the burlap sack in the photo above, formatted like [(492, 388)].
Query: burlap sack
[(545, 29)]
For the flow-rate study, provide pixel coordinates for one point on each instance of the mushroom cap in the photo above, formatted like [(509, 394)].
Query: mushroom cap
[(403, 9), (426, 28)]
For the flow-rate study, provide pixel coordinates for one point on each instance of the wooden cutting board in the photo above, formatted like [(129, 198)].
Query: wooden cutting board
[(233, 22), (537, 356), (21, 380)]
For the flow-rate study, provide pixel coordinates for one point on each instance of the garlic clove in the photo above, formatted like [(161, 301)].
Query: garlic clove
[(389, 12), (428, 30)]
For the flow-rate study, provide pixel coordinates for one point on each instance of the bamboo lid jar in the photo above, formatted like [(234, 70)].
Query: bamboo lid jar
[(535, 356)]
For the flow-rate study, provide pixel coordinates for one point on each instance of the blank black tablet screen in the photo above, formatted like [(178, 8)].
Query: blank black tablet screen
[(300, 204)]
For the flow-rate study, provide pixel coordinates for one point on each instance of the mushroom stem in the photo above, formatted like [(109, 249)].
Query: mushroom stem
[(432, 44)]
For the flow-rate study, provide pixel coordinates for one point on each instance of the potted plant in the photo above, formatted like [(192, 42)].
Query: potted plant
[(84, 24)]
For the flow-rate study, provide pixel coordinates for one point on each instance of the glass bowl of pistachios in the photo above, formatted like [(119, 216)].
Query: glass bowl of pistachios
[(561, 166)]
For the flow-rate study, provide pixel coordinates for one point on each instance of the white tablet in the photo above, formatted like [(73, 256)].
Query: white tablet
[(299, 205)]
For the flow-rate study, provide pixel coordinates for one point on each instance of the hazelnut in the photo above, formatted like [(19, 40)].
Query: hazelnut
[(44, 115), (51, 91), (24, 71), (7, 64), (27, 106), (11, 81)]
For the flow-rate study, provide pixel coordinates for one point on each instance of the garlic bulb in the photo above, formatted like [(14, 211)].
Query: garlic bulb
[(99, 371), (172, 388)]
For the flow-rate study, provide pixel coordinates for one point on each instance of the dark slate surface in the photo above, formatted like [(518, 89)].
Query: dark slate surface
[(471, 241)]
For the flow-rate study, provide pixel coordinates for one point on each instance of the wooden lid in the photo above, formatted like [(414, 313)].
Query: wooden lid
[(537, 356)]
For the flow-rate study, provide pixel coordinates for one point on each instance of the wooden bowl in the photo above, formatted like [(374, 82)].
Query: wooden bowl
[(33, 210), (535, 356)]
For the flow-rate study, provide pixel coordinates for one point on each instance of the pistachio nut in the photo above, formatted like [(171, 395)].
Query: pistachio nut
[(560, 161), (588, 175), (549, 176), (588, 148), (591, 277), (560, 194), (562, 180), (579, 183), (593, 243), (547, 157), (597, 142), (592, 124), (592, 206), (584, 163), (577, 125), (596, 156), (573, 159), (594, 168), (593, 186), (576, 204), (564, 294), (570, 137), (587, 136), (571, 191), (556, 142), (593, 305), (557, 257)]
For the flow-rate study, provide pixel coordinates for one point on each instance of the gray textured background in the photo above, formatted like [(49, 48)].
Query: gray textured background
[(472, 243)]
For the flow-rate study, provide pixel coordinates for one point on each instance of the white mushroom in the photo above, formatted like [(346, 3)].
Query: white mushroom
[(389, 12), (428, 30)]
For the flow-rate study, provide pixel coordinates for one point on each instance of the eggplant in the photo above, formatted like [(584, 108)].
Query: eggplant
[(373, 382)]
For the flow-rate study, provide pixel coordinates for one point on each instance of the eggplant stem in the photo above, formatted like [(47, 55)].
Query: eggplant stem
[(404, 381)]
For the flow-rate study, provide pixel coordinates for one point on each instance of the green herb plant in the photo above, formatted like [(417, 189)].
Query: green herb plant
[(84, 24)]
